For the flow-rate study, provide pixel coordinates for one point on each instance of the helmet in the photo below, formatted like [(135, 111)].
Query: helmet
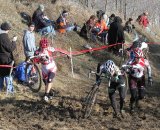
[(144, 46), (138, 53), (43, 43), (110, 66)]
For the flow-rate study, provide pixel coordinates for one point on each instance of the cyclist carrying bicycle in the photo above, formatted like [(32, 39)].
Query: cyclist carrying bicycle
[(49, 67), (137, 78), (117, 82)]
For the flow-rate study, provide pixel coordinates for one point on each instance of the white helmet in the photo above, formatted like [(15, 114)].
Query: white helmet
[(110, 66), (144, 46)]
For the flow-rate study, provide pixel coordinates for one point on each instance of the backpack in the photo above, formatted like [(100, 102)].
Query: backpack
[(20, 72), (26, 18)]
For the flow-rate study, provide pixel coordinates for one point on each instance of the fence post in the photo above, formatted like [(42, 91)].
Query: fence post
[(71, 62)]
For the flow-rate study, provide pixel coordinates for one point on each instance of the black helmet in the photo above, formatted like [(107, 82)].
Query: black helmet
[(6, 26)]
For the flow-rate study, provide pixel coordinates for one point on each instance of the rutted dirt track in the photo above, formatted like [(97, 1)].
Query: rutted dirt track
[(65, 112)]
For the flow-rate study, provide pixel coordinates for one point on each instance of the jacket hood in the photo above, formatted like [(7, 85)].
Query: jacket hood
[(118, 19)]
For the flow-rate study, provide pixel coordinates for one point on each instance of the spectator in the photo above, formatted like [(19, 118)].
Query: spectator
[(116, 34), (144, 20), (100, 14), (100, 29), (42, 24), (87, 27), (29, 41), (6, 49), (105, 17), (129, 26), (63, 25), (110, 20)]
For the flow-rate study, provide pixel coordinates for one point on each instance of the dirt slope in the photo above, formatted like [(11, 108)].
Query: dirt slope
[(26, 111)]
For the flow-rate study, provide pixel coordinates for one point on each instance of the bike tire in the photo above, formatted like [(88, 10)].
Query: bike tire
[(90, 101), (33, 79)]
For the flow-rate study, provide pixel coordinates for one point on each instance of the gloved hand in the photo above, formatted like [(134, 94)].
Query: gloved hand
[(14, 39), (150, 81), (126, 68), (36, 53), (115, 78)]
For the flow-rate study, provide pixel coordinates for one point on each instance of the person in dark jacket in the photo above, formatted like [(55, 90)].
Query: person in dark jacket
[(43, 24), (37, 16), (129, 26), (116, 35), (6, 49), (110, 20)]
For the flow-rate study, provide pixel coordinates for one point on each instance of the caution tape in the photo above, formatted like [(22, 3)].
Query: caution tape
[(76, 53), (6, 66)]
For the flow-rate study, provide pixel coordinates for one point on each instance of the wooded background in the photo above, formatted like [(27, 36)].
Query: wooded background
[(127, 8)]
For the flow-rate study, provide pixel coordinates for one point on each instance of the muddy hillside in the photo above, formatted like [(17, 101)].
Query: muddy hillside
[(25, 110)]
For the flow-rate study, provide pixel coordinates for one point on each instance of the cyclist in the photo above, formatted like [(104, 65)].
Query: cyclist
[(143, 47), (49, 67), (137, 78), (117, 81)]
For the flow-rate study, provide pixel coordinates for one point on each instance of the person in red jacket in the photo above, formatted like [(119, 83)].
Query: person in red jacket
[(144, 20)]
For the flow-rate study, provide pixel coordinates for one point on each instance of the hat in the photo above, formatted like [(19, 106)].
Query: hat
[(32, 24), (112, 15), (41, 7), (64, 12), (6, 26)]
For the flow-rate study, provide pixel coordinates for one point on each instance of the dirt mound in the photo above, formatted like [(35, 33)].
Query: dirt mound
[(66, 112)]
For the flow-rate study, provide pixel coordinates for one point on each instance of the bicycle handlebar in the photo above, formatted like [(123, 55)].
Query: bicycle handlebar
[(37, 56), (93, 72)]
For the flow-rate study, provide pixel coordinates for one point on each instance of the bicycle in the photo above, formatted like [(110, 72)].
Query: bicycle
[(33, 74), (91, 97)]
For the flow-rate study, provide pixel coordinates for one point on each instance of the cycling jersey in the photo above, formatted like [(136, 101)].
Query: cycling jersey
[(114, 78), (138, 68), (47, 61)]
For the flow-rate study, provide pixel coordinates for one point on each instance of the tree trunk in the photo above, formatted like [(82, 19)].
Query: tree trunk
[(106, 5)]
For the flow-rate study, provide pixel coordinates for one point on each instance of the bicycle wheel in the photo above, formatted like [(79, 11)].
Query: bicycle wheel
[(33, 77), (90, 100)]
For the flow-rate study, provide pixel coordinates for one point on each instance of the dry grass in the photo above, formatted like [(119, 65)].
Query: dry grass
[(68, 86)]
